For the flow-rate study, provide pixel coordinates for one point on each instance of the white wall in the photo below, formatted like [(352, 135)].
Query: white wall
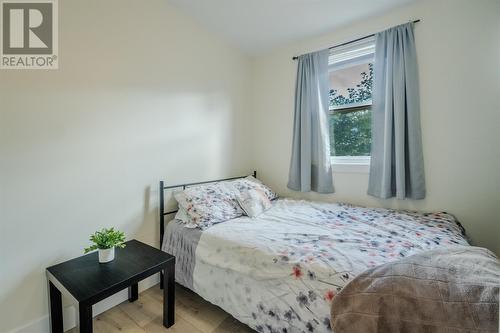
[(142, 94), (458, 45)]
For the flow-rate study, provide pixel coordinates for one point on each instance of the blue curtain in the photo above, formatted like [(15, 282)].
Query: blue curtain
[(397, 165), (310, 166)]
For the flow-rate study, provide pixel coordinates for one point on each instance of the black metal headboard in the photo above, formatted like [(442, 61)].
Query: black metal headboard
[(163, 213)]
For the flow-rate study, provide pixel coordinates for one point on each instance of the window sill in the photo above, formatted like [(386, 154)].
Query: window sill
[(351, 164)]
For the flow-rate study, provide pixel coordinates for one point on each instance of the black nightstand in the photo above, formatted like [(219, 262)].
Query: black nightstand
[(87, 281)]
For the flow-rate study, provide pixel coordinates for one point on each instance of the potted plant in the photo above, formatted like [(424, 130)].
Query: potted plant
[(106, 241)]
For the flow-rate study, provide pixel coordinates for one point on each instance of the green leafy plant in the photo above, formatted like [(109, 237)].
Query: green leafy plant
[(106, 239)]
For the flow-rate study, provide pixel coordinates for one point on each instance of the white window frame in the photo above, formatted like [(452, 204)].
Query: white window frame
[(346, 56)]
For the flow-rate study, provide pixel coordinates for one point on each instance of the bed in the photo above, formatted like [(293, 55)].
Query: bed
[(280, 271)]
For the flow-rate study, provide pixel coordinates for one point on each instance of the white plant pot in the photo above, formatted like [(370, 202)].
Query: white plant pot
[(106, 255)]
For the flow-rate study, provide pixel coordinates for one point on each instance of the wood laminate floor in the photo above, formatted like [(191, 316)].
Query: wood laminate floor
[(192, 315)]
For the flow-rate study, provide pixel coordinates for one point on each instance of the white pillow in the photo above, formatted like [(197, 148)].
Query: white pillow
[(252, 183), (183, 216), (254, 202), (209, 204)]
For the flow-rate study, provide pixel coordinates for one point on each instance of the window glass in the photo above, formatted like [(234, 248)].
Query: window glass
[(350, 86), (350, 107)]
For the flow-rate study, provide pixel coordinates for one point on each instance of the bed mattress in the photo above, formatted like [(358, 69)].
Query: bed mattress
[(280, 271)]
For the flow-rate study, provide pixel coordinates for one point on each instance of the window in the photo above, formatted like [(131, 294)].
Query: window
[(351, 79)]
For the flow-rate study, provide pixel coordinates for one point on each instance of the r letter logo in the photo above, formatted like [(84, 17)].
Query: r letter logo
[(29, 34)]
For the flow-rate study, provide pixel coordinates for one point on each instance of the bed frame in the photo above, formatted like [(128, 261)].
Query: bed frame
[(164, 213)]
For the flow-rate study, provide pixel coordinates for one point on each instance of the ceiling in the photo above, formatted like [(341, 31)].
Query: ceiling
[(256, 26)]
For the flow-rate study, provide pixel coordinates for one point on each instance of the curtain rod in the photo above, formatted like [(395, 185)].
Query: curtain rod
[(351, 41)]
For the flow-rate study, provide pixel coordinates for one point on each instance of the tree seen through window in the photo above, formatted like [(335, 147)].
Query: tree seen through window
[(350, 110)]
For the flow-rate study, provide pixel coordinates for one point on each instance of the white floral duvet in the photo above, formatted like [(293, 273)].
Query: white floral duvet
[(280, 271)]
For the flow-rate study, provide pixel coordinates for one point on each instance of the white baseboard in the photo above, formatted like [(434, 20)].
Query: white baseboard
[(41, 325)]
